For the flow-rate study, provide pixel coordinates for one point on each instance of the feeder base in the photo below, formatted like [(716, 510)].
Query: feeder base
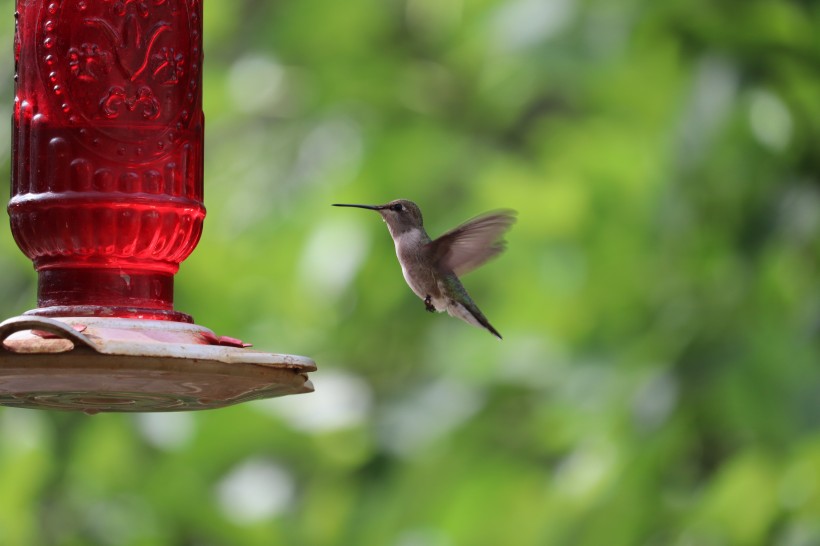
[(94, 364)]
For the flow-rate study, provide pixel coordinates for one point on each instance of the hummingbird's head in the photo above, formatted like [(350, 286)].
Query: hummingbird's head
[(400, 215)]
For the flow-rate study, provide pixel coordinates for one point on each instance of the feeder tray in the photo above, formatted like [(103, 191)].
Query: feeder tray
[(95, 364)]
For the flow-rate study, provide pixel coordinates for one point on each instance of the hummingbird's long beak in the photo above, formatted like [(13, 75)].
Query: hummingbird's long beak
[(369, 207)]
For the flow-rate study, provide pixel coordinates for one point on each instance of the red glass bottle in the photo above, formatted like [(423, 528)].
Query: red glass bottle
[(107, 194)]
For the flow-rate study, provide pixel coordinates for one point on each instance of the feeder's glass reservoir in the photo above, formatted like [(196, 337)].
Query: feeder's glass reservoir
[(107, 194)]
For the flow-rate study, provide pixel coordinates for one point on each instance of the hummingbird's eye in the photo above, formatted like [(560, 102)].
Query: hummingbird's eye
[(397, 207)]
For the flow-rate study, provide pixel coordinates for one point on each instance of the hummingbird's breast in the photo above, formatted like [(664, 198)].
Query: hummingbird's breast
[(416, 263)]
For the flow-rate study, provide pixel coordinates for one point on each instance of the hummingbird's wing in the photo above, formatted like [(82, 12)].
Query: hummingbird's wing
[(469, 245)]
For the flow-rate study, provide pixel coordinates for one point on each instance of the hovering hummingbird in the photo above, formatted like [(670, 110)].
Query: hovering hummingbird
[(432, 267)]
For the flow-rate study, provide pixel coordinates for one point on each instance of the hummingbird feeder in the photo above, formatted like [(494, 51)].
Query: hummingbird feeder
[(107, 201)]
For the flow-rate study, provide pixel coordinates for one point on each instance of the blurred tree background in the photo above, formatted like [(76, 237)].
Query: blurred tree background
[(658, 380)]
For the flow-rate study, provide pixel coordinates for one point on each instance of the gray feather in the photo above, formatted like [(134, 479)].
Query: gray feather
[(471, 244)]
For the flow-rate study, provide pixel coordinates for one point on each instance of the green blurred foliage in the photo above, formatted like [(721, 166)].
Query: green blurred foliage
[(658, 380)]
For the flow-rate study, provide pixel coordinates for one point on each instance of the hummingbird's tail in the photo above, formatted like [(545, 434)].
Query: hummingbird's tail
[(486, 324), (471, 314), (459, 304)]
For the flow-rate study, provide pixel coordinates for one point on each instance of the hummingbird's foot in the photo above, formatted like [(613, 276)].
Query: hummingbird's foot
[(428, 303)]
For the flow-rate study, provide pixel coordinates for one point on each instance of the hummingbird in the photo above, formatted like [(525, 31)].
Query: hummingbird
[(432, 267)]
